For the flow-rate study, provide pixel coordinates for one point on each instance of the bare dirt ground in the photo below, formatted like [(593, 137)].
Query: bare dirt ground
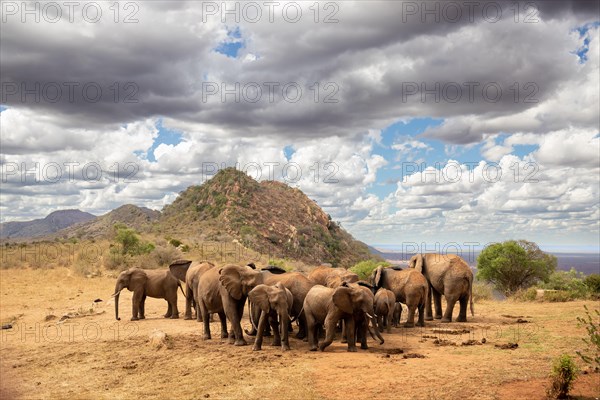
[(92, 356)]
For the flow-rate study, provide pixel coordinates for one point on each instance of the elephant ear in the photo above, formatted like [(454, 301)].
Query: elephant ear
[(416, 262), (179, 269), (137, 278), (342, 298), (259, 296), (230, 279), (377, 281)]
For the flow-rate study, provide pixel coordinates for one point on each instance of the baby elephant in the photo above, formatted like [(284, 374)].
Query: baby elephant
[(384, 308), (143, 283), (273, 302)]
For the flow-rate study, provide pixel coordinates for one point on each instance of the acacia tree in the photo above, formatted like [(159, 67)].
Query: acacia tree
[(514, 264)]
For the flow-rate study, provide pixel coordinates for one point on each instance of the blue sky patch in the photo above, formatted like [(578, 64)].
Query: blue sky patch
[(583, 33), (232, 45), (165, 136)]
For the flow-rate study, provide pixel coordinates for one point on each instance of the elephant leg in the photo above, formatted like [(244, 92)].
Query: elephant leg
[(462, 314), (351, 334), (302, 327), (262, 324), (390, 318), (198, 313), (397, 314), (143, 308), (380, 322), (204, 311), (234, 310), (437, 299), (313, 333), (330, 323), (450, 301), (173, 302), (275, 329), (421, 320), (223, 319), (283, 327), (342, 325), (361, 333), (169, 310), (189, 301), (410, 318), (428, 311), (135, 305)]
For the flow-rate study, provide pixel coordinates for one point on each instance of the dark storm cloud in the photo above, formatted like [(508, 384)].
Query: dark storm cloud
[(380, 57)]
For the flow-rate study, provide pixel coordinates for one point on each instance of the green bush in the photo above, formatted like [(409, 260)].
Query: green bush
[(593, 341), (563, 375), (592, 282), (175, 242), (571, 282), (364, 269), (482, 291), (528, 294)]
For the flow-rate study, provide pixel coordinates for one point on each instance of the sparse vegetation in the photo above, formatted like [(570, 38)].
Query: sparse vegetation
[(364, 268), (514, 265), (593, 340), (482, 291), (564, 373)]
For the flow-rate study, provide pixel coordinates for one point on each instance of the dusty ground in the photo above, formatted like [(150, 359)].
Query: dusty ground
[(93, 356)]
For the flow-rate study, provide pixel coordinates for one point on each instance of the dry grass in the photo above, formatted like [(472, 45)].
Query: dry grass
[(98, 357)]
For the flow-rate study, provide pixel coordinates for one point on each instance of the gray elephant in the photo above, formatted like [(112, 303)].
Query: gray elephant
[(190, 272), (239, 280), (385, 302), (160, 284), (210, 300), (352, 303), (409, 287), (274, 304), (331, 277), (447, 275)]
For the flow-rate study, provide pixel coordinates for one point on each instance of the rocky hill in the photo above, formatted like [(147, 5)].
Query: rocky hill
[(269, 217), (53, 222)]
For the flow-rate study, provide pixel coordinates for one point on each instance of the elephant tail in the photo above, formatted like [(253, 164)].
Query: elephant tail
[(296, 317), (181, 288), (471, 297)]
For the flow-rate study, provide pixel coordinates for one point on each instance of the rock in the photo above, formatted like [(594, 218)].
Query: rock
[(7, 326), (159, 339)]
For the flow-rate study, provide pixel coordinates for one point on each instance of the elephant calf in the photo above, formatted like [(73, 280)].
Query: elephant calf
[(385, 301), (143, 283), (275, 304)]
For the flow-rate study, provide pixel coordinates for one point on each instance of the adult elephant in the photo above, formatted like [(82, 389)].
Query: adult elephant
[(239, 280), (351, 303), (447, 275), (409, 287), (160, 284), (190, 272), (331, 277), (210, 300)]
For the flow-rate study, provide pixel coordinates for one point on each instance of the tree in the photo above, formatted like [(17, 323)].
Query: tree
[(514, 264), (128, 239)]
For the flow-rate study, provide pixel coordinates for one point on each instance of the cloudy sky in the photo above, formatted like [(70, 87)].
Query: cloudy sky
[(425, 122)]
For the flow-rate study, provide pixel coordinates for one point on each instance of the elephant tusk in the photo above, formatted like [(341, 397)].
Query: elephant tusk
[(370, 316)]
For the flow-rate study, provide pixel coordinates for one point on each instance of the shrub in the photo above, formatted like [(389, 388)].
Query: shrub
[(592, 282), (364, 269), (571, 282), (528, 294), (482, 291), (175, 242), (513, 265), (559, 296), (593, 342), (564, 372), (165, 255)]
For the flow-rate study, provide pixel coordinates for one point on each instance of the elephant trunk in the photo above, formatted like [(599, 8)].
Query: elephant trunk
[(118, 289), (284, 319), (251, 314), (373, 330)]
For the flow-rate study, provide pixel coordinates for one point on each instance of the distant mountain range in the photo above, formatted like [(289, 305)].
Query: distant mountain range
[(41, 227)]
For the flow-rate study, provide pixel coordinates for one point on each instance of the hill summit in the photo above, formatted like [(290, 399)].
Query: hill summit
[(269, 217), (53, 222)]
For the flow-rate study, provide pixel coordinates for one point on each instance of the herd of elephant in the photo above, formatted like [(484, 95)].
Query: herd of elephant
[(323, 298)]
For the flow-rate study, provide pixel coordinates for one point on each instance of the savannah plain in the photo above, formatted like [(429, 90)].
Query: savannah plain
[(90, 355)]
